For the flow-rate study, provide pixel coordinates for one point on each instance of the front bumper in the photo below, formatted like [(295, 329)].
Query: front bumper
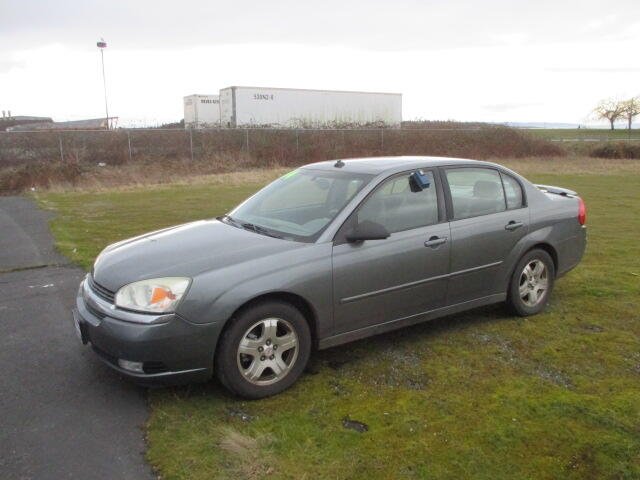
[(171, 349)]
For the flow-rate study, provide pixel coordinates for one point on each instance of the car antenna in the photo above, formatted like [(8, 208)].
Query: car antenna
[(339, 164)]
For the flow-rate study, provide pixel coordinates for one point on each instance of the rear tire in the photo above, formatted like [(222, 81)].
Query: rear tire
[(531, 283), (264, 350)]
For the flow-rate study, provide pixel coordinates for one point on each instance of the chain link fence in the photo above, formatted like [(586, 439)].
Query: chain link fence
[(263, 145)]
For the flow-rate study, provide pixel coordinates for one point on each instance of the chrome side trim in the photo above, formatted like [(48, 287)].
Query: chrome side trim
[(355, 298), (365, 332)]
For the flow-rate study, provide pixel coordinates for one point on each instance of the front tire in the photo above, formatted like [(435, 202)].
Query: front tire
[(531, 283), (264, 350)]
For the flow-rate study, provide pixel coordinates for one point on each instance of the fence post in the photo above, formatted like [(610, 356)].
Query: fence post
[(246, 133), (191, 143), (297, 143), (382, 139), (129, 144), (61, 151)]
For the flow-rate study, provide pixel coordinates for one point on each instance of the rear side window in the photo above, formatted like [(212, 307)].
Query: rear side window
[(513, 191), (475, 192), (397, 208)]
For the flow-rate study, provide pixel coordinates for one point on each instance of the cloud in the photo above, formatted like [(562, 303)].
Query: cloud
[(7, 64), (593, 69), (496, 60), (366, 24), (509, 38), (507, 107), (601, 22)]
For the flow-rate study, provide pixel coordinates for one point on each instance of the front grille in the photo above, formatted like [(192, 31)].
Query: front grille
[(93, 311), (101, 291)]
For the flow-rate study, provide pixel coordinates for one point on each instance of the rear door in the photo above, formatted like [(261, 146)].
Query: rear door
[(378, 281), (488, 217)]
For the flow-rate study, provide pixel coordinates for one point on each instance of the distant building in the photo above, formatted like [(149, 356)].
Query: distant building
[(201, 111), (7, 121), (250, 107), (88, 124)]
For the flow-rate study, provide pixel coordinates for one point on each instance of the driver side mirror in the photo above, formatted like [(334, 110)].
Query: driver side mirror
[(367, 230)]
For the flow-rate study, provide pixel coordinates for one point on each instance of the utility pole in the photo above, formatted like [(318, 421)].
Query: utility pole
[(102, 45)]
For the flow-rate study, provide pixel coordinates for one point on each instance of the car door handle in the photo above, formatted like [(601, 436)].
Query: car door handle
[(513, 225), (435, 241)]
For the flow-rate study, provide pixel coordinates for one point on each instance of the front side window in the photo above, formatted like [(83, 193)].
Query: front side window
[(396, 207), (475, 192), (299, 205)]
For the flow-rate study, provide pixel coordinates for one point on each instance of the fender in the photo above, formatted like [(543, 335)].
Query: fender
[(306, 274), (543, 235)]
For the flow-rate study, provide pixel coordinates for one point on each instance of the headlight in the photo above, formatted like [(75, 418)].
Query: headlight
[(158, 295)]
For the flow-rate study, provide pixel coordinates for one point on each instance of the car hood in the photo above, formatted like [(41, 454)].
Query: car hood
[(183, 251)]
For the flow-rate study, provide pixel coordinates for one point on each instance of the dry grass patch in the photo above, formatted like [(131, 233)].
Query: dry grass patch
[(75, 176), (246, 455), (570, 165), (134, 176), (129, 179)]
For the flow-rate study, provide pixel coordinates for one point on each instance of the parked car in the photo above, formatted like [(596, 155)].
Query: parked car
[(329, 253)]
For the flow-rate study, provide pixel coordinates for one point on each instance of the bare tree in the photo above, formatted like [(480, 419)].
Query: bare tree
[(610, 110), (631, 109)]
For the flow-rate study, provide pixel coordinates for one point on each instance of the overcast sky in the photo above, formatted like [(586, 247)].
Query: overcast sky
[(487, 60)]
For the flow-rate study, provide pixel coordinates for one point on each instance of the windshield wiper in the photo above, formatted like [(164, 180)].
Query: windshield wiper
[(247, 226), (229, 219), (259, 229)]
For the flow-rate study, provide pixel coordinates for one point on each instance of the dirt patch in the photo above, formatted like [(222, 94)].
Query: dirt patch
[(246, 455), (354, 425)]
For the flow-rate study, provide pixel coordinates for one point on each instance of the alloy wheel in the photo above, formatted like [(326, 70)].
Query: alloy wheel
[(267, 351), (534, 283)]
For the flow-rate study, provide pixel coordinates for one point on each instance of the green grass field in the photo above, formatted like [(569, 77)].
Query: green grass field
[(481, 395)]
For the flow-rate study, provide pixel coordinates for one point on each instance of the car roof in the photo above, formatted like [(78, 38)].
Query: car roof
[(379, 165)]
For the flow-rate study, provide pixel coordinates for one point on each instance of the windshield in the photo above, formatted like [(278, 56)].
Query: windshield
[(299, 205)]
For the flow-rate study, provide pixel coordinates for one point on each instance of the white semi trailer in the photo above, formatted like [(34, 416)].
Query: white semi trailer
[(245, 107), (201, 111)]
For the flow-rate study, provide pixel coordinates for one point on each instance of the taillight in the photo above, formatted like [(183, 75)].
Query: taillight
[(582, 212)]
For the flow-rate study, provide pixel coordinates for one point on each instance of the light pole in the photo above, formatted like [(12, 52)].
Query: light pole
[(102, 45)]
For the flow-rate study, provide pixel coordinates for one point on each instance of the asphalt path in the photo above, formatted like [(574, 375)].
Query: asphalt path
[(63, 414)]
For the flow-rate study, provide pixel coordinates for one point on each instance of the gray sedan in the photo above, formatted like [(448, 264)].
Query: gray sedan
[(329, 253)]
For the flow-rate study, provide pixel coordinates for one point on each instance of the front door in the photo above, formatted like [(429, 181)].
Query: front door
[(378, 281)]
